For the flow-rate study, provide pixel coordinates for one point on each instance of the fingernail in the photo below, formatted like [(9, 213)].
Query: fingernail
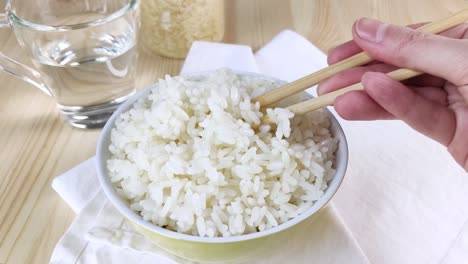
[(370, 29)]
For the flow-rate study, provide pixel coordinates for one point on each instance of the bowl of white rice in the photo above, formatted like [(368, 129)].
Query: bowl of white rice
[(182, 162)]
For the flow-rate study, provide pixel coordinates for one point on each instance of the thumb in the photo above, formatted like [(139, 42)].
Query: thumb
[(404, 47)]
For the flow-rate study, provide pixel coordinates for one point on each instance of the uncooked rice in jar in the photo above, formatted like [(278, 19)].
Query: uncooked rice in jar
[(170, 27), (187, 159)]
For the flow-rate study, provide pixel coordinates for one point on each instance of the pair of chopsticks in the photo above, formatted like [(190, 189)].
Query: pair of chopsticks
[(356, 60)]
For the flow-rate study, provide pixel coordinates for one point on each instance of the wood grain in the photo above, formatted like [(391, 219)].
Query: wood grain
[(36, 145)]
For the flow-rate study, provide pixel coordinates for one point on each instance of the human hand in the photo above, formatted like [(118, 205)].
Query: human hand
[(435, 104)]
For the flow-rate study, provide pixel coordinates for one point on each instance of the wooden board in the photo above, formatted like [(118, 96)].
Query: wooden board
[(36, 145)]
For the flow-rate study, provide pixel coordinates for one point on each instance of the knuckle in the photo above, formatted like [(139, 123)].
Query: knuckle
[(463, 78), (406, 44), (408, 39), (461, 72), (463, 89), (405, 112), (465, 30)]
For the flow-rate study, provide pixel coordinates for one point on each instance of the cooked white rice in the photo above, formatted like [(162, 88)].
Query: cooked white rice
[(187, 159)]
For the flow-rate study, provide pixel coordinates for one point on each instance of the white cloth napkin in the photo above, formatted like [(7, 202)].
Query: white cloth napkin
[(404, 198), (100, 234), (210, 56), (289, 56)]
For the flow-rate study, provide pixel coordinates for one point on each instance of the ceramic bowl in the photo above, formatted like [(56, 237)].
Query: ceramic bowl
[(218, 249)]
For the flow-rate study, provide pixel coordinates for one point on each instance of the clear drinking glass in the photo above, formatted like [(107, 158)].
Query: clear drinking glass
[(84, 53)]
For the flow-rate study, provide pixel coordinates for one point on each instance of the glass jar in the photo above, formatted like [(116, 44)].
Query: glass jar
[(170, 26)]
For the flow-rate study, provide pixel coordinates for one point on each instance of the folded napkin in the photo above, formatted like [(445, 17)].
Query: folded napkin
[(404, 198), (100, 234)]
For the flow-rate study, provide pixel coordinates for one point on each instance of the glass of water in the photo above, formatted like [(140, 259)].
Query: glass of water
[(84, 53)]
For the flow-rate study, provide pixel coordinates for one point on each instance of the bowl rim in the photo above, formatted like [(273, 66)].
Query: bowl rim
[(136, 218)]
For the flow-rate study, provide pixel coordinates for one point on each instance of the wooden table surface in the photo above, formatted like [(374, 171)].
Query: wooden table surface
[(36, 145)]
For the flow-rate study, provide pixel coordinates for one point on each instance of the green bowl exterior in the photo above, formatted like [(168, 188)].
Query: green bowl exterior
[(231, 252)]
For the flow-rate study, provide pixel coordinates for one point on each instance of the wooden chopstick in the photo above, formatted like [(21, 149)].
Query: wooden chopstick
[(356, 60), (329, 98)]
